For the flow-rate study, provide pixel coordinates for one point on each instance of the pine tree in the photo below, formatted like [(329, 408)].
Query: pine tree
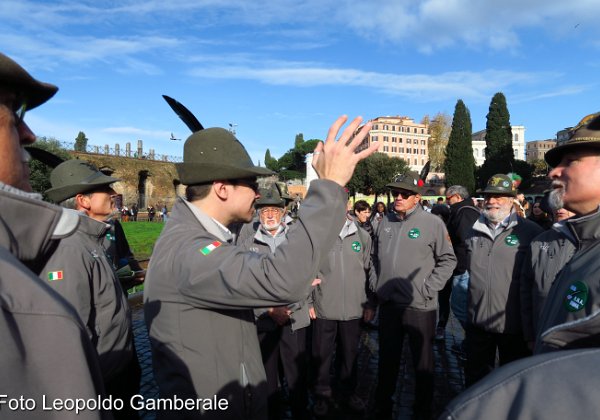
[(459, 164), (499, 154), (81, 142), (298, 140), (270, 162)]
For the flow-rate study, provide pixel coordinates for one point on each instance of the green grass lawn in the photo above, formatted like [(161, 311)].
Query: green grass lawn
[(142, 236)]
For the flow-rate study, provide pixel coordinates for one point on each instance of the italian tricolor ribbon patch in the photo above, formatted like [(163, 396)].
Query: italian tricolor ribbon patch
[(55, 275), (210, 248)]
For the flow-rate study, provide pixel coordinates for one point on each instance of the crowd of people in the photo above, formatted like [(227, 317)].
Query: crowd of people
[(234, 284)]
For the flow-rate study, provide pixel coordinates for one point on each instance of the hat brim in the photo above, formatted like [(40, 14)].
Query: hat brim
[(199, 173), (404, 186), (60, 194), (555, 155), (492, 191)]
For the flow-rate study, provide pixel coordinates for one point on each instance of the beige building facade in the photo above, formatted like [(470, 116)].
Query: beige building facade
[(403, 138), (537, 149)]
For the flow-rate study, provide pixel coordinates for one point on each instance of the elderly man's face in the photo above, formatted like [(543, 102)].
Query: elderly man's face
[(405, 200), (14, 169), (270, 218), (575, 181), (497, 207)]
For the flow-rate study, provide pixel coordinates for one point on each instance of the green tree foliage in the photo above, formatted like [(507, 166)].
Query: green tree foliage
[(81, 142), (292, 164), (40, 173), (540, 167), (299, 140), (499, 154), (459, 163), (439, 131), (270, 162), (375, 172)]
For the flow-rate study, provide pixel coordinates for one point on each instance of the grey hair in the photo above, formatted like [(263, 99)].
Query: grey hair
[(69, 203), (458, 190)]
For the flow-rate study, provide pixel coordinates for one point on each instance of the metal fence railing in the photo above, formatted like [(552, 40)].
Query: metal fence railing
[(127, 152)]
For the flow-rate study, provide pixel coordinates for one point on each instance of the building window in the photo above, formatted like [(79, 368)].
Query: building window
[(402, 129), (422, 161), (375, 127), (415, 130), (393, 128), (407, 141), (476, 153), (394, 149), (401, 149), (408, 150), (385, 149), (393, 139), (400, 140), (422, 142), (422, 131), (516, 136), (423, 151), (385, 138), (385, 127), (415, 159), (374, 138)]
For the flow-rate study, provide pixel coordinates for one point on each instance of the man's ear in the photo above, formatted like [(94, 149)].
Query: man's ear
[(83, 202), (221, 189)]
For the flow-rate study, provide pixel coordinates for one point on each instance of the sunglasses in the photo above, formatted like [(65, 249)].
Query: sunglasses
[(403, 194), (252, 184)]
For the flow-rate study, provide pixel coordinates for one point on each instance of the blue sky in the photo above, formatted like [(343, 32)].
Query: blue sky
[(281, 67)]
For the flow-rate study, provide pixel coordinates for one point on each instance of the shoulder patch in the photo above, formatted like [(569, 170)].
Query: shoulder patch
[(210, 248), (356, 246), (55, 275), (576, 296)]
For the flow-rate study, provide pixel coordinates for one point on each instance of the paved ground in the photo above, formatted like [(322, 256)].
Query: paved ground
[(449, 378)]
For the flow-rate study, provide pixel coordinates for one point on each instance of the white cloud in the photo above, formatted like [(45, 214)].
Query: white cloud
[(136, 132)]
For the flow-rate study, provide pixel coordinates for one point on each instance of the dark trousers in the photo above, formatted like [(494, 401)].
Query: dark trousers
[(341, 338), (125, 385), (444, 304), (481, 351), (394, 323), (289, 347)]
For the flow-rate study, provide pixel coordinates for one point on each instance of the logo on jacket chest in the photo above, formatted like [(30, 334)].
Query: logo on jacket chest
[(414, 233), (356, 246), (576, 296), (511, 240)]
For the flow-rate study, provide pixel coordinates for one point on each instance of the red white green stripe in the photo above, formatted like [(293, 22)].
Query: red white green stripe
[(55, 275), (210, 248)]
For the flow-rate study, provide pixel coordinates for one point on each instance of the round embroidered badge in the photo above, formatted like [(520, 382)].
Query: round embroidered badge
[(511, 240), (576, 296), (414, 233), (356, 246)]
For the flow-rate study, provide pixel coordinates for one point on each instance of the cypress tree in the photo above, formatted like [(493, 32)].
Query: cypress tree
[(459, 164), (499, 154)]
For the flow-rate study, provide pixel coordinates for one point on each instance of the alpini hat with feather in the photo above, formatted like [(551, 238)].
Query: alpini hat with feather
[(584, 134), (215, 153)]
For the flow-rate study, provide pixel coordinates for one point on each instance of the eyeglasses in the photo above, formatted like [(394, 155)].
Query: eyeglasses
[(252, 184), (403, 194), (19, 112)]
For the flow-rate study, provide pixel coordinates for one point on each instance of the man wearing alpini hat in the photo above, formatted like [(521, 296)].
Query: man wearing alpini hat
[(281, 329), (200, 289), (414, 259), (89, 282), (46, 353), (575, 292), (496, 248)]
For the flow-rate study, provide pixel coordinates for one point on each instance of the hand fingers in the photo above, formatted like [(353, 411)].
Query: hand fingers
[(316, 282), (368, 151), (335, 128), (350, 130), (316, 153)]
